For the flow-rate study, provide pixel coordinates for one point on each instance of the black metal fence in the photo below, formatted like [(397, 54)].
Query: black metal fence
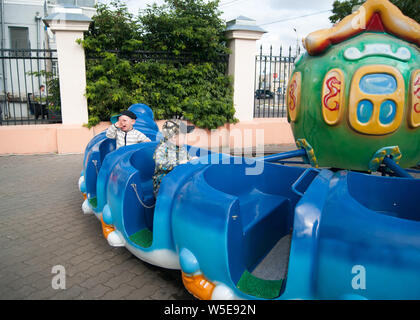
[(221, 60), (272, 76), (29, 87)]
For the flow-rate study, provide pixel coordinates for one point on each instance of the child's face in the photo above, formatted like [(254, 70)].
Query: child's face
[(126, 123), (178, 139)]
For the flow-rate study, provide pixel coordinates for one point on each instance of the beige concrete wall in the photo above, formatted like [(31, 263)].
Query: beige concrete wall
[(48, 138), (28, 139), (244, 134), (62, 139)]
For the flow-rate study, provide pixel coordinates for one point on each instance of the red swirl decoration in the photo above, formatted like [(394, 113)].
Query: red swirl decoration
[(292, 104), (417, 94), (334, 91)]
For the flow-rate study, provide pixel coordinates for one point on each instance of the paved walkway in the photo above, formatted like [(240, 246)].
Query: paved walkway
[(42, 226)]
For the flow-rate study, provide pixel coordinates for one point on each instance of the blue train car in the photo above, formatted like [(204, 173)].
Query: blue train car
[(295, 233), (95, 156), (250, 228), (142, 223)]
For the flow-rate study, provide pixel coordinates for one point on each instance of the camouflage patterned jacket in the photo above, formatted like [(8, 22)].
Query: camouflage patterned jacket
[(167, 156)]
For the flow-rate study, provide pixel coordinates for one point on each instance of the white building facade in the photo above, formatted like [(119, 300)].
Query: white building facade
[(23, 72), (22, 26)]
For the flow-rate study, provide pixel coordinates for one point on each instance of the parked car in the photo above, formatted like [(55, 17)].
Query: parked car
[(264, 94), (281, 91)]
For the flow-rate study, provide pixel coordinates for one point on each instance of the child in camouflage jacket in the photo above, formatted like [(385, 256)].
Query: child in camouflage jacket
[(171, 151)]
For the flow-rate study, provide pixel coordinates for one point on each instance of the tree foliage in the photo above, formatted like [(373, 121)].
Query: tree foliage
[(341, 9), (182, 25), (119, 73)]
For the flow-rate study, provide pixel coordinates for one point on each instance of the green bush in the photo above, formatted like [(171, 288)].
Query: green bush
[(196, 87)]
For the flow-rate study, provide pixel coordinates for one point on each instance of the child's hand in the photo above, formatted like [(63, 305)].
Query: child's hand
[(117, 124)]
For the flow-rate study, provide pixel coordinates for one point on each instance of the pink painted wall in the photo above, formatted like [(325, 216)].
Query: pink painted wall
[(260, 131), (62, 139), (48, 138)]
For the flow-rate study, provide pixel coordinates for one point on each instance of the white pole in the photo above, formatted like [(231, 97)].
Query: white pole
[(243, 34), (68, 25)]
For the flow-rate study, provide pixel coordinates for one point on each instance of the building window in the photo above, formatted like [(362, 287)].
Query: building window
[(19, 40), (78, 3)]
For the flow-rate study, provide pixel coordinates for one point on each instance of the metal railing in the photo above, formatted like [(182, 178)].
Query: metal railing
[(271, 78), (29, 87), (221, 60)]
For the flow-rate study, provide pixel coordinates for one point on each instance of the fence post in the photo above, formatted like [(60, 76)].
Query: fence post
[(242, 34), (68, 24)]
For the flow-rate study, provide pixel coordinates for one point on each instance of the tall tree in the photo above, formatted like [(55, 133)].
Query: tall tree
[(341, 9), (184, 25), (113, 28)]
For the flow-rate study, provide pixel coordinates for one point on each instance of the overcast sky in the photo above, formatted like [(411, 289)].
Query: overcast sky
[(278, 17)]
